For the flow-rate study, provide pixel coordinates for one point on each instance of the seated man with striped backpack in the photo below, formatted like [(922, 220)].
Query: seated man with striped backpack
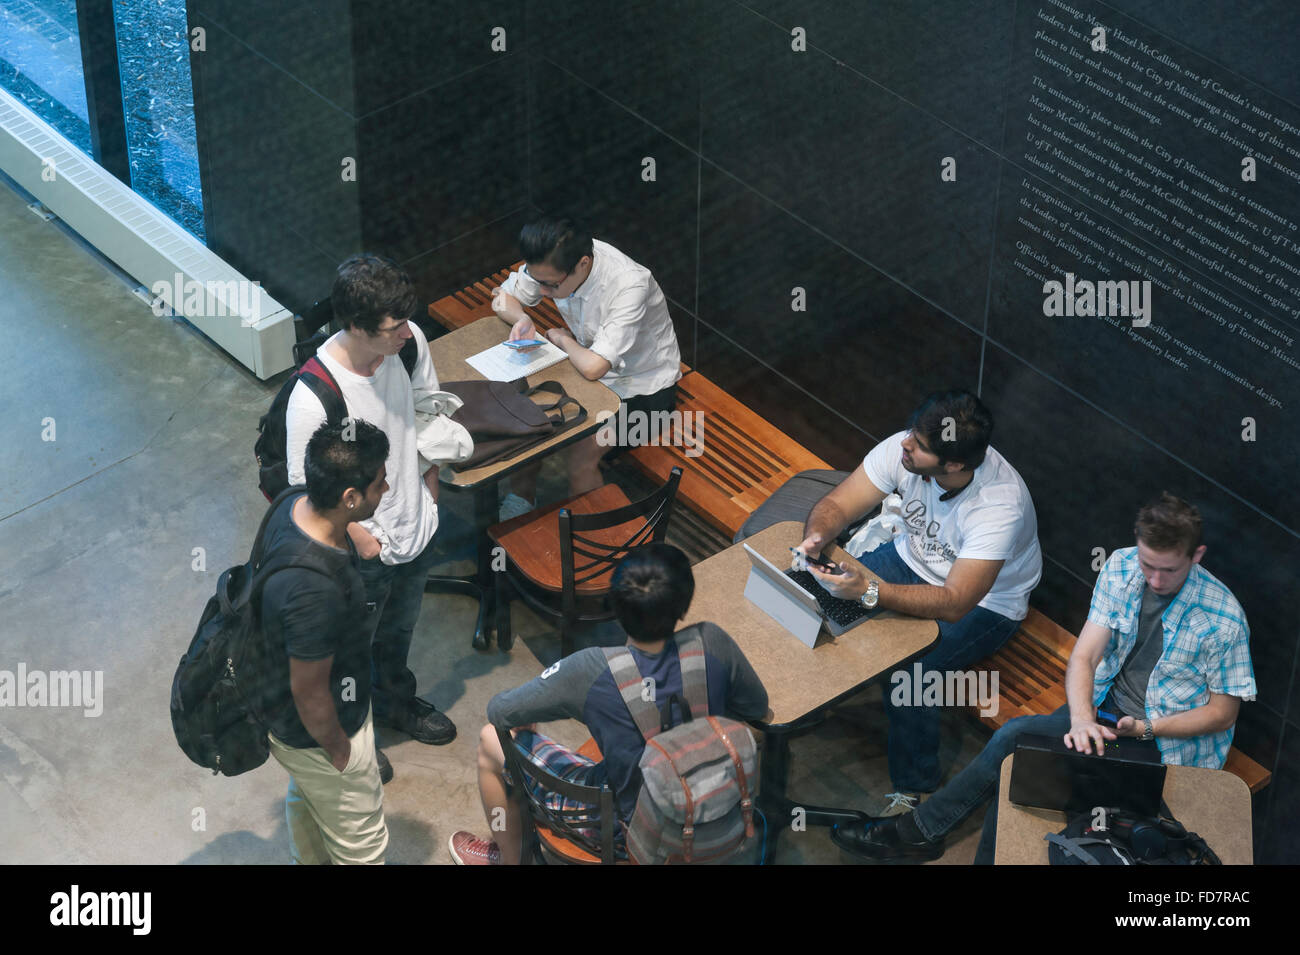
[(683, 775)]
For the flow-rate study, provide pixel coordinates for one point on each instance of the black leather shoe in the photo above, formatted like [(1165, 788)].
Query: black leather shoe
[(880, 841), (421, 721), (385, 767)]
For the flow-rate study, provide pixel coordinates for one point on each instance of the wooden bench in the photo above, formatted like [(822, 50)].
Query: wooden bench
[(739, 460), (475, 301), (1031, 682)]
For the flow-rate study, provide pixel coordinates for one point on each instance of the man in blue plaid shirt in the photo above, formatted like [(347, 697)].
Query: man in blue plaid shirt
[(1165, 650)]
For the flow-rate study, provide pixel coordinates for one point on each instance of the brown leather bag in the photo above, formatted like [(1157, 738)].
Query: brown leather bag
[(504, 418)]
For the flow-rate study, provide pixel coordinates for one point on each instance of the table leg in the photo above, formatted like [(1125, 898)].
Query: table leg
[(778, 808), (480, 585)]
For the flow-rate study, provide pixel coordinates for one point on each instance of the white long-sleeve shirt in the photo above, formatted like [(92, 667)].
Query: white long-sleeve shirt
[(619, 313), (408, 515)]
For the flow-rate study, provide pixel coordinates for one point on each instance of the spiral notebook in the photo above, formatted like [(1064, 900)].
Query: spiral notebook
[(500, 363)]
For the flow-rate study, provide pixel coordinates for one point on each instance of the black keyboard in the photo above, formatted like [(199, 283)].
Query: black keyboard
[(843, 612)]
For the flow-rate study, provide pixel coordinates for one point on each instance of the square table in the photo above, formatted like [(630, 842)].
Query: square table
[(449, 353), (802, 684), (1213, 803)]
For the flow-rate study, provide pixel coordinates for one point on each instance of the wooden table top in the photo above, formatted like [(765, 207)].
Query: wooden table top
[(449, 353), (1213, 803), (799, 680)]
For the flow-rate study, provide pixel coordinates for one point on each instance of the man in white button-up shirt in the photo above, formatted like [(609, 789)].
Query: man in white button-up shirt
[(619, 332)]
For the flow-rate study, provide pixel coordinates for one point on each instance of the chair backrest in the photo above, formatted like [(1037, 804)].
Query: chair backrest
[(573, 825), (583, 558)]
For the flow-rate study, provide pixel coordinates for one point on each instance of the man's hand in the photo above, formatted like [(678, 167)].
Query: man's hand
[(1128, 726), (339, 758), (849, 585), (431, 482), (812, 546), (1085, 733), (368, 547), (524, 330)]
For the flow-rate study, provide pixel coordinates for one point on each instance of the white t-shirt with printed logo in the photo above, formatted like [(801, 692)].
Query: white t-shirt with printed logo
[(992, 518)]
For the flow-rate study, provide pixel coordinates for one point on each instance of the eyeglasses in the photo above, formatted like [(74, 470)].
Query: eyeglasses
[(393, 329), (545, 284)]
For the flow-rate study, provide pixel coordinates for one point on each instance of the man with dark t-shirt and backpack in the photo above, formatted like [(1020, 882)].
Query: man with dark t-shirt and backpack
[(314, 619), (650, 592)]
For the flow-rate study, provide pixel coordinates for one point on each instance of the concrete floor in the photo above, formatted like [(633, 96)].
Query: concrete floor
[(101, 531)]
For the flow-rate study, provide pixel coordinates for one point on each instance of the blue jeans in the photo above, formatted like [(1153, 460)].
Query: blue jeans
[(914, 730), (397, 592), (978, 782)]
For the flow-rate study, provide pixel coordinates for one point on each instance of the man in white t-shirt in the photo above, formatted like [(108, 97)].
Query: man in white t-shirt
[(968, 559), (373, 298), (618, 332)]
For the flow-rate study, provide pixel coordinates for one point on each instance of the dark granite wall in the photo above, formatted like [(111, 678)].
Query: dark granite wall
[(432, 116), (820, 170)]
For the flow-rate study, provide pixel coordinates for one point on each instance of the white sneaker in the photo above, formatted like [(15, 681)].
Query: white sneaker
[(512, 505)]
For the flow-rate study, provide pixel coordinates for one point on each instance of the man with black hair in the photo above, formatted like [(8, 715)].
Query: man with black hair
[(314, 621), (618, 332), (374, 299), (650, 592), (1165, 650), (968, 559)]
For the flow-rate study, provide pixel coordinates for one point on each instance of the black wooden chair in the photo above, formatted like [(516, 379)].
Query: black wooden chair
[(562, 836), (560, 564)]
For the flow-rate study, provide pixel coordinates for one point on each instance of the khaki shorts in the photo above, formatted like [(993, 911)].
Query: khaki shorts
[(335, 817)]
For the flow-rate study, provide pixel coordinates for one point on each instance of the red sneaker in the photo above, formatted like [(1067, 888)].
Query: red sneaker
[(468, 849)]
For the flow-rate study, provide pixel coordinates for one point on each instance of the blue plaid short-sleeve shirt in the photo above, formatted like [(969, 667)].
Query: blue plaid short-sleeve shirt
[(1206, 650)]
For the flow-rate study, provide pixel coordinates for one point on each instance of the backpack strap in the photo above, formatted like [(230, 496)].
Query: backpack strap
[(695, 686), (622, 666), (262, 572), (255, 554), (1071, 847), (317, 377), (746, 802)]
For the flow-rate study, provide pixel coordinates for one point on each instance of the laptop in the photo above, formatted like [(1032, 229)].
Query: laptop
[(795, 600), (1047, 774)]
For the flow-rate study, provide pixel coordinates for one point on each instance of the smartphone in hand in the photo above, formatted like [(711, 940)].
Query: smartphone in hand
[(824, 566)]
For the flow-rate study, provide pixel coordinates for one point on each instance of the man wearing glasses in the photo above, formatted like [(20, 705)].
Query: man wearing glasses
[(967, 557), (618, 332), (373, 298)]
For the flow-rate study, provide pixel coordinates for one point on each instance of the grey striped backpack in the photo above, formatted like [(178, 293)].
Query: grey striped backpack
[(697, 778)]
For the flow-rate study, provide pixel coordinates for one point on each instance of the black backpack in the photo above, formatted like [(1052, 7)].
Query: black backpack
[(271, 449), (1120, 837), (218, 688)]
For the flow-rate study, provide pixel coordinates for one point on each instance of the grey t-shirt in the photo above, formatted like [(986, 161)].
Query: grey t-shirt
[(1130, 686)]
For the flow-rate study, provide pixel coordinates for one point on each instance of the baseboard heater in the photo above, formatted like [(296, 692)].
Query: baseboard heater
[(180, 272)]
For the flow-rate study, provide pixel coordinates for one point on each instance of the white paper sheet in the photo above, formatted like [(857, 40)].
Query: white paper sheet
[(500, 363)]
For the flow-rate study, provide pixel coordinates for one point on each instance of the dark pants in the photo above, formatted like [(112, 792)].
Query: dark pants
[(665, 399), (978, 782), (914, 730), (397, 592)]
